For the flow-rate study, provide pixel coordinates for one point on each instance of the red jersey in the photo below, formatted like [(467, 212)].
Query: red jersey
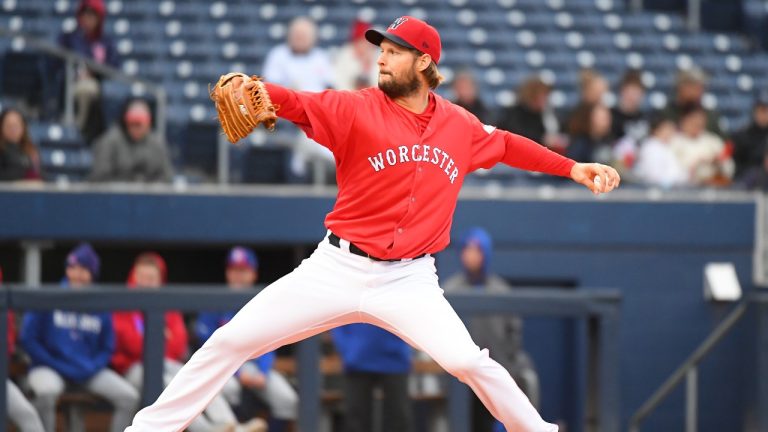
[(11, 333), (398, 183), (129, 338)]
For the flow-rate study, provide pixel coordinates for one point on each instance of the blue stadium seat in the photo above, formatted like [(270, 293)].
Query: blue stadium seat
[(638, 23), (550, 40), (22, 76), (135, 10), (599, 42), (647, 42), (540, 21), (28, 8), (60, 161), (590, 23)]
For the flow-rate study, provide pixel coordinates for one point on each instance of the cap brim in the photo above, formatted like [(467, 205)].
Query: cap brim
[(375, 37)]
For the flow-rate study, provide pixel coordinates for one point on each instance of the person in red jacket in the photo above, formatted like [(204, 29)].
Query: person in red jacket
[(149, 271)]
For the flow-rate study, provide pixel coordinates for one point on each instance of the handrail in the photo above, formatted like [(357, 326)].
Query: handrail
[(72, 57), (689, 365)]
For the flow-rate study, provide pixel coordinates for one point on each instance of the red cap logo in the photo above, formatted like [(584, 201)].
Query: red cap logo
[(410, 32)]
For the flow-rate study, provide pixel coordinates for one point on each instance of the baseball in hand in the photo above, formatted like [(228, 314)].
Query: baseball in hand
[(597, 182)]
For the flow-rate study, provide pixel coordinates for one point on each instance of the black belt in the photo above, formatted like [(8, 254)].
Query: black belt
[(353, 248)]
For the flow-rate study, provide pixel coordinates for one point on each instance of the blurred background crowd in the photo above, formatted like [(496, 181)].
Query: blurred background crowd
[(669, 99)]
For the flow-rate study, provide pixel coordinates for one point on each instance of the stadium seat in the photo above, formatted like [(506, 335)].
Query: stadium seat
[(22, 76), (266, 165), (200, 147)]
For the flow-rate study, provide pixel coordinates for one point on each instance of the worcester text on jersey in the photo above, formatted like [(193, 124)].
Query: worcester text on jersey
[(416, 153)]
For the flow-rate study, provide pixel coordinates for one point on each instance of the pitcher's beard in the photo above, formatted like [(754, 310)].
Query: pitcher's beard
[(395, 89)]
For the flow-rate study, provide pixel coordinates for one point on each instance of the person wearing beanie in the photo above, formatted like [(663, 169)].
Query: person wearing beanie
[(89, 40), (149, 272), (502, 334), (256, 376), (374, 358), (20, 412), (74, 348)]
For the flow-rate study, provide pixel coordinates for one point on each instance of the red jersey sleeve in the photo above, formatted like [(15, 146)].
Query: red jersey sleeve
[(491, 145), (325, 117), (176, 338)]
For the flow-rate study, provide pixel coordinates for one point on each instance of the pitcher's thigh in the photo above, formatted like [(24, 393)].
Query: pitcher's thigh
[(297, 306), (422, 316)]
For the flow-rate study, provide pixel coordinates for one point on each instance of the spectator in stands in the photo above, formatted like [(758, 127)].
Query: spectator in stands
[(354, 65), (90, 41), (627, 117), (589, 129), (757, 177), (657, 164), (19, 159), (20, 412), (530, 116), (466, 96), (703, 154), (689, 90), (751, 143), (502, 335), (592, 90), (74, 348), (593, 87), (130, 151), (300, 65), (149, 271), (373, 359), (257, 375)]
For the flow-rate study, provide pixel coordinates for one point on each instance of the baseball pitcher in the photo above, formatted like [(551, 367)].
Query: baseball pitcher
[(401, 154)]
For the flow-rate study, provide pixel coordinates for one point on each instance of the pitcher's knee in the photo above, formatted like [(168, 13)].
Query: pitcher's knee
[(226, 339), (464, 364)]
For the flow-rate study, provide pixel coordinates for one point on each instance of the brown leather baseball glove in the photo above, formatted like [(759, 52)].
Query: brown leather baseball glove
[(242, 103)]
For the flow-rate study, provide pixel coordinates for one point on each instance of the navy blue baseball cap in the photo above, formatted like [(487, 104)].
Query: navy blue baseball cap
[(240, 256), (84, 256)]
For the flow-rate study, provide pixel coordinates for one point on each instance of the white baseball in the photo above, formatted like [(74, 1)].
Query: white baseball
[(597, 181)]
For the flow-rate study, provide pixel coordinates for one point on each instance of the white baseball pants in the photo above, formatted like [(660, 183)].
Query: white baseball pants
[(331, 288)]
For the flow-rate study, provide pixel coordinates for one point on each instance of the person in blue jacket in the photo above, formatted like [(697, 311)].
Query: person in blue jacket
[(373, 359), (255, 375), (73, 349)]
